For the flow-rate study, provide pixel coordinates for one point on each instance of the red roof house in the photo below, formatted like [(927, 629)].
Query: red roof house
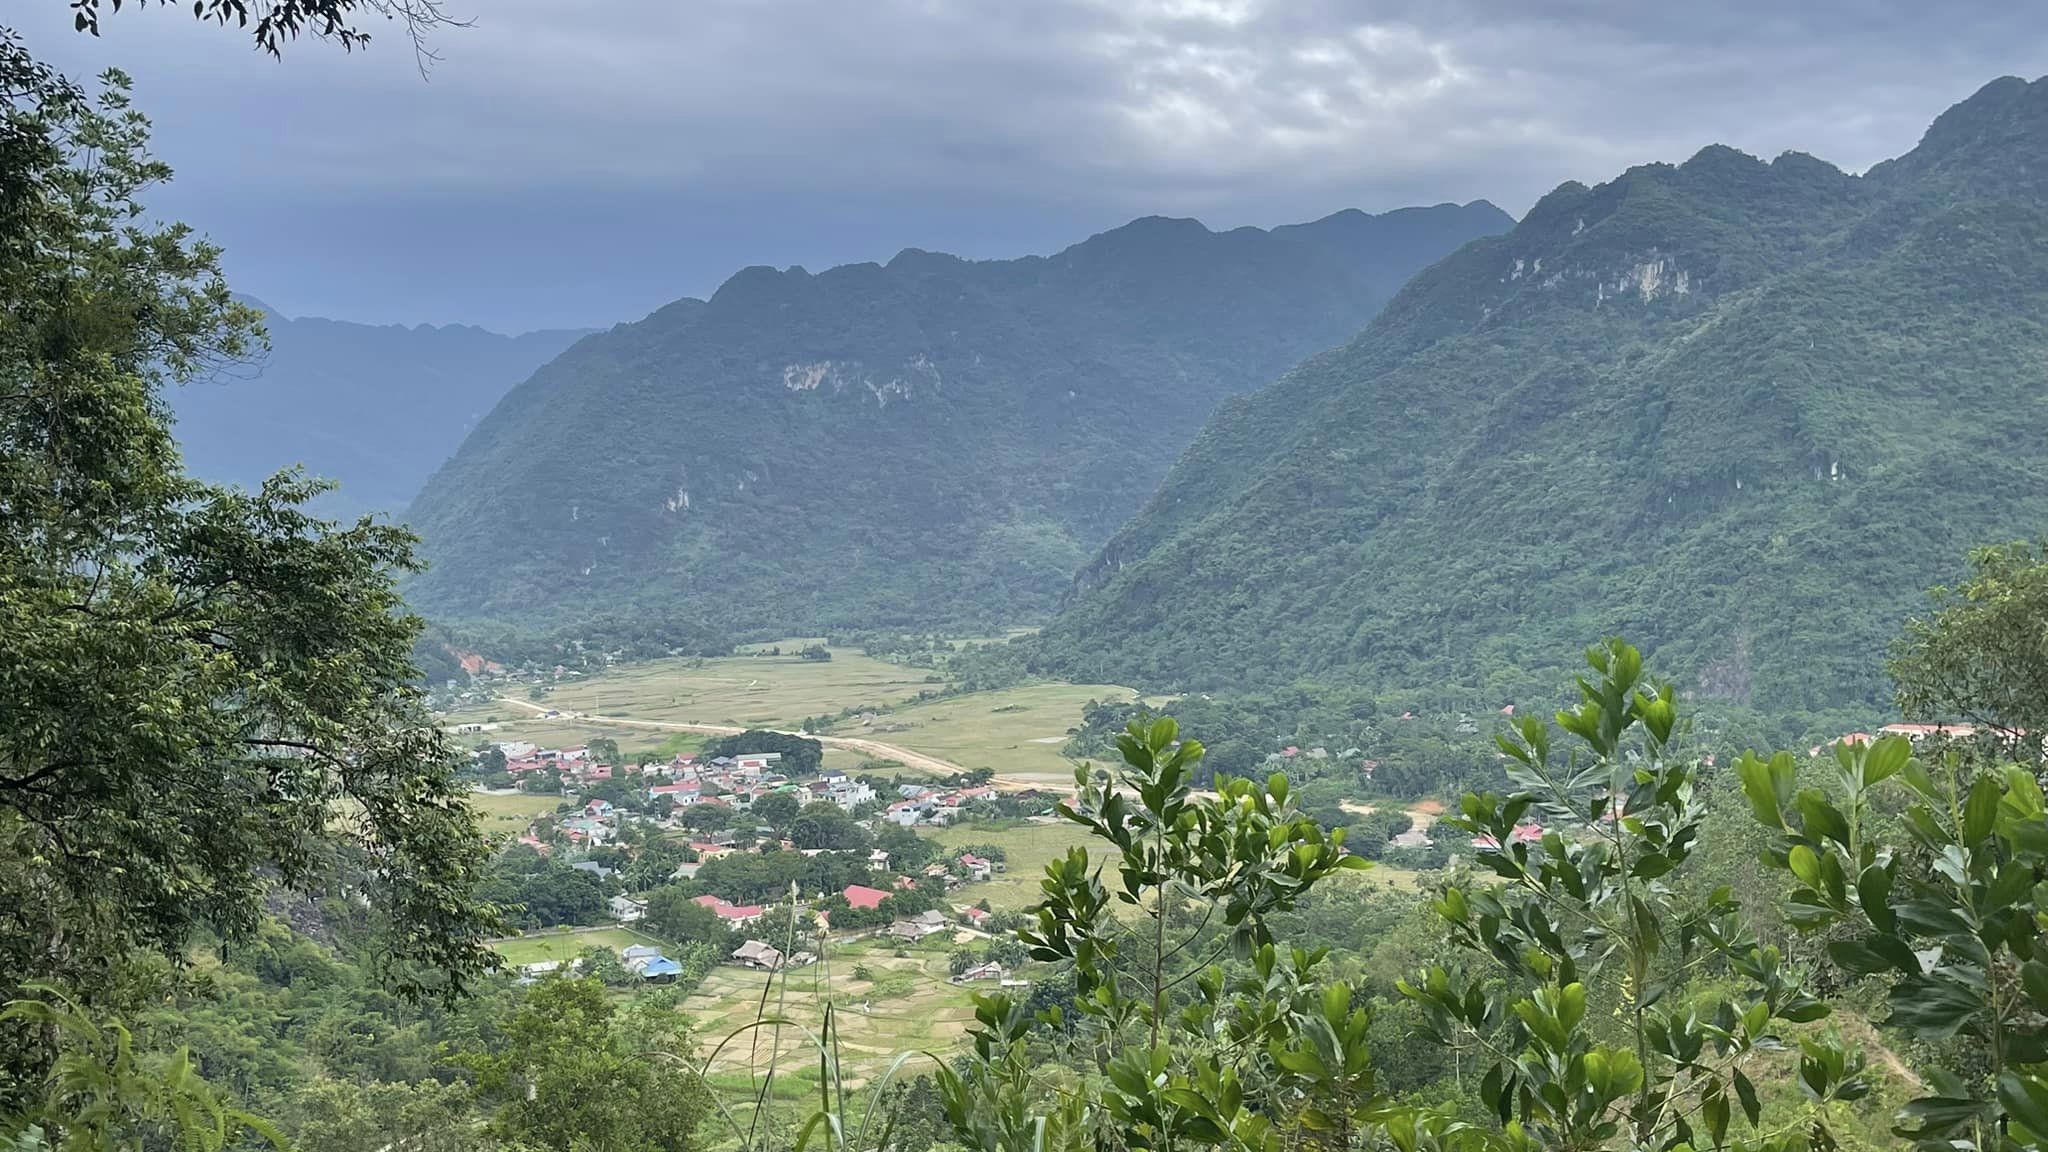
[(862, 896)]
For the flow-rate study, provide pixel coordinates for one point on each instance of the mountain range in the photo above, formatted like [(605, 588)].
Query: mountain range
[(1742, 412), (929, 442), (375, 408)]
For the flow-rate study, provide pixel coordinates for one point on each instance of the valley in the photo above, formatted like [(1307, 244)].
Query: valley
[(1430, 679)]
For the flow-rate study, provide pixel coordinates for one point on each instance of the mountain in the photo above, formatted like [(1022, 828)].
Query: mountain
[(375, 407), (932, 441), (1743, 413)]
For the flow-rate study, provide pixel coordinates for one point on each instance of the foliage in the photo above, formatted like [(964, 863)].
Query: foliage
[(100, 1093), (801, 755), (1823, 374), (986, 398), (1954, 918), (826, 825), (1245, 1059), (570, 1073), (1587, 922), (209, 692), (778, 810), (1982, 657), (281, 21)]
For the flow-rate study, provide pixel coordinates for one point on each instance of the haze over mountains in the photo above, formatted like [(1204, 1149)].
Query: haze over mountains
[(927, 442), (1741, 412), (374, 407)]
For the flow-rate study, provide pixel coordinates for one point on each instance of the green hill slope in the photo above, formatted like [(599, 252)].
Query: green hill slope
[(1741, 412), (928, 442)]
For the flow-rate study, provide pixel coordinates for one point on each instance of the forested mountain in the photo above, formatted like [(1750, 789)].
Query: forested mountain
[(1740, 411), (924, 442), (375, 407)]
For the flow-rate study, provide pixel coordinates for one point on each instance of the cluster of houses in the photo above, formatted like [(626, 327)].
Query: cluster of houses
[(919, 804)]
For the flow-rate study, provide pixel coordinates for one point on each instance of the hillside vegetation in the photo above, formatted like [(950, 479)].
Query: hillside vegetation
[(1743, 411), (927, 442)]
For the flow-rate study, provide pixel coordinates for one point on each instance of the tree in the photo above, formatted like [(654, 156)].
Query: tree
[(827, 825), (816, 652), (1953, 918), (100, 1093), (491, 761), (778, 810), (279, 21), (1584, 925), (674, 915), (207, 691), (1277, 1052), (1982, 656), (604, 750), (565, 1076), (801, 755)]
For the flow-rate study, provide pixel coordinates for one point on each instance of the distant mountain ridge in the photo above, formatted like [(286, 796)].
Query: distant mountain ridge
[(927, 442), (375, 407), (1742, 412)]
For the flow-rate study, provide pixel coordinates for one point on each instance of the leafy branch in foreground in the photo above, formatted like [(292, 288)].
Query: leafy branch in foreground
[(1586, 924), (1170, 1052), (100, 1093), (1954, 920)]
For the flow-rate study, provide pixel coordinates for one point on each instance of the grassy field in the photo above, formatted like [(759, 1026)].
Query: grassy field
[(561, 945), (1016, 731), (503, 814), (743, 691), (1027, 850), (907, 1004)]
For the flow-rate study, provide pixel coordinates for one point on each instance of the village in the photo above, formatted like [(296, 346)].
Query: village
[(710, 808)]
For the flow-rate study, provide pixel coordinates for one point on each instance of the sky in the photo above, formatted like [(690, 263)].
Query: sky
[(582, 162)]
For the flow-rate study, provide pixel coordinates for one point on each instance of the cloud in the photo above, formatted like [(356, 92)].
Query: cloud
[(1055, 111)]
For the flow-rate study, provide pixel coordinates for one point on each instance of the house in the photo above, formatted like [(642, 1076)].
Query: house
[(756, 954), (1918, 732), (661, 969), (862, 896), (706, 850), (988, 971), (595, 772), (904, 813), (598, 808), (594, 868), (685, 871), (878, 859), (974, 916), (1523, 834), (625, 908), (735, 915), (1412, 838), (919, 926), (977, 868), (639, 952), (536, 843)]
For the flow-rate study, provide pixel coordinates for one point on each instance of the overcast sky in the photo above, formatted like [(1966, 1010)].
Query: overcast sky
[(579, 162)]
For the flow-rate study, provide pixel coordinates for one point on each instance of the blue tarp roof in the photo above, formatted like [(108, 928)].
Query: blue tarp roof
[(661, 966)]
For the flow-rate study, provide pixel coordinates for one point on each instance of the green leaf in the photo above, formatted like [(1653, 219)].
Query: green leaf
[(1746, 1093), (1980, 811), (1805, 865), (2025, 1099)]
